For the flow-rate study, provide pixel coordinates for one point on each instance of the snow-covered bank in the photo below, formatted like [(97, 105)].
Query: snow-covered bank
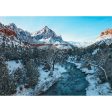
[(95, 88), (22, 91), (79, 65), (47, 79)]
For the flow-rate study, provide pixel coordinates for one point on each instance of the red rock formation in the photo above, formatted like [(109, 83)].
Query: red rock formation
[(107, 32), (7, 32)]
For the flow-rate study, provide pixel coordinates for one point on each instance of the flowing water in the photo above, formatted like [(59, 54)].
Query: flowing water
[(72, 82)]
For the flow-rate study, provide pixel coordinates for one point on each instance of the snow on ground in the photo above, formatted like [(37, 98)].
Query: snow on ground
[(10, 42), (95, 51), (105, 39), (13, 65), (87, 71), (24, 91), (94, 88), (46, 79), (79, 66)]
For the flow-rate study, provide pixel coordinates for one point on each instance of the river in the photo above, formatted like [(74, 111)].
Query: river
[(71, 83)]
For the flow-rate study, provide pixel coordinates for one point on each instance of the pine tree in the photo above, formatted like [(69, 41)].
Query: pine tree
[(31, 73), (7, 86), (19, 76)]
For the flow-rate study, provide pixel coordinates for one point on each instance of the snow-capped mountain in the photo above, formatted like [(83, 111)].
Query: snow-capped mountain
[(106, 33), (41, 38), (105, 37), (46, 35), (12, 31), (8, 36), (22, 35)]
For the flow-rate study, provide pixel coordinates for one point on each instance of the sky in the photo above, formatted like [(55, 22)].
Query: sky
[(71, 28)]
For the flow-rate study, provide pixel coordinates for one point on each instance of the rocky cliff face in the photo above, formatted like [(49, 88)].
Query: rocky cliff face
[(46, 35), (106, 32), (43, 38), (6, 31)]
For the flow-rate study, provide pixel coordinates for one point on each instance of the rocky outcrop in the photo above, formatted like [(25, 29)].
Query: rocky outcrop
[(7, 32), (106, 33)]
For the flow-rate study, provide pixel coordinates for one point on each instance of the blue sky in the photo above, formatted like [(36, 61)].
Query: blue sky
[(71, 28)]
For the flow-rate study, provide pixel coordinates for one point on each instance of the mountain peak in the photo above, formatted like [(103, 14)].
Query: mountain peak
[(47, 35), (12, 26), (45, 32), (106, 33), (45, 27), (1, 25)]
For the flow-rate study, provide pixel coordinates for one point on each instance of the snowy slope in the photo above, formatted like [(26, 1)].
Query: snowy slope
[(95, 88), (9, 35), (105, 37), (22, 35), (46, 35), (107, 40), (42, 38), (46, 80)]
